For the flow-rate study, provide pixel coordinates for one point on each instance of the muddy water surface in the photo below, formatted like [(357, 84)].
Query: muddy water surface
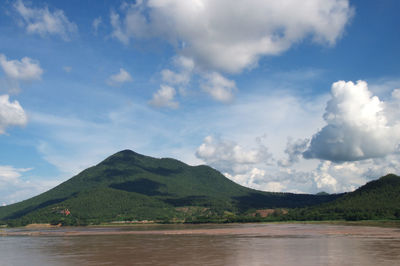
[(243, 244)]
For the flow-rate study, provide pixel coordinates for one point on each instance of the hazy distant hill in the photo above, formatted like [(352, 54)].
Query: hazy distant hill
[(378, 199), (130, 186)]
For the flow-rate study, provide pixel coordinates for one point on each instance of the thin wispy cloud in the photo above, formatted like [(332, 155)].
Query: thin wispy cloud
[(44, 22)]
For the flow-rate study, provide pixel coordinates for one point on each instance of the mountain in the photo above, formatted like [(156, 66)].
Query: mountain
[(378, 199), (131, 186)]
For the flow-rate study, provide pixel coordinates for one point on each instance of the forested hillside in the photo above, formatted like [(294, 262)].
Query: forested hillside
[(378, 199), (129, 186)]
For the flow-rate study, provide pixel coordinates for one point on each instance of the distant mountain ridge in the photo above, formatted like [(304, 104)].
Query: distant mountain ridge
[(378, 199), (131, 186), (128, 186)]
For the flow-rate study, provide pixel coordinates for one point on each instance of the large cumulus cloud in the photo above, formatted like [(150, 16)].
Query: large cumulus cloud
[(225, 36), (358, 126), (232, 35)]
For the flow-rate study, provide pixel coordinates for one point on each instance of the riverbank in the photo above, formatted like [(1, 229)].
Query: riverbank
[(141, 224), (258, 229), (378, 223)]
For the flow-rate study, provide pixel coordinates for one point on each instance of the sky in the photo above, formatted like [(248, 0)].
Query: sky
[(294, 96)]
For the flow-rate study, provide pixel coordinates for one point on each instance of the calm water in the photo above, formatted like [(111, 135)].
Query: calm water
[(282, 244)]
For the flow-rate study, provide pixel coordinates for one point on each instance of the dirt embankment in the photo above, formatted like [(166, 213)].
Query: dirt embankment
[(38, 226), (267, 212), (274, 230)]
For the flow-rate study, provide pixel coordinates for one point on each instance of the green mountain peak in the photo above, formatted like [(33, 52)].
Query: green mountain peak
[(131, 186)]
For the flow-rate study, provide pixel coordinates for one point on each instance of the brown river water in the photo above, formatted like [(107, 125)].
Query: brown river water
[(234, 244)]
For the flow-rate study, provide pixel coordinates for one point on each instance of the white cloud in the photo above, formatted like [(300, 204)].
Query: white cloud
[(286, 114), (357, 126), (174, 78), (323, 180), (26, 69), (228, 156), (225, 36), (9, 174), (117, 30), (44, 22), (250, 178), (257, 168), (14, 188), (219, 87), (230, 36), (347, 176), (117, 79), (182, 77), (322, 176), (95, 24), (164, 97), (11, 114), (73, 144), (274, 187)]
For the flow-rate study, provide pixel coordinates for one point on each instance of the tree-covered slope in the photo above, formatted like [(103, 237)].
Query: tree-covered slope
[(378, 199), (130, 186)]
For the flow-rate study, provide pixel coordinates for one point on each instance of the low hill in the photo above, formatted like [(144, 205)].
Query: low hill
[(131, 186), (378, 199)]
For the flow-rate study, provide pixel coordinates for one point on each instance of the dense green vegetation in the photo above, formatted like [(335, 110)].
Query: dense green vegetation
[(132, 187), (378, 199)]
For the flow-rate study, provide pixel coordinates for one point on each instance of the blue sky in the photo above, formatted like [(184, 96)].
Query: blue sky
[(277, 96)]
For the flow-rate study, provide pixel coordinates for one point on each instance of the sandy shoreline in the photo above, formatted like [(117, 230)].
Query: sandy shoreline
[(267, 230)]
